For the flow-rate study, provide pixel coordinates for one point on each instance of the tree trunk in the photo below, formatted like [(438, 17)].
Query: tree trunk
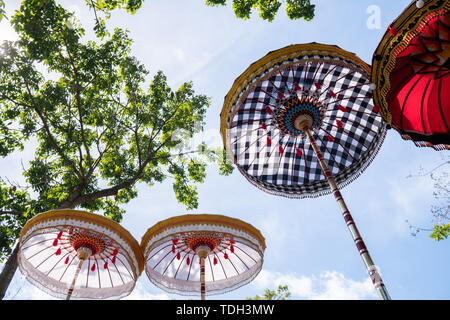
[(8, 271)]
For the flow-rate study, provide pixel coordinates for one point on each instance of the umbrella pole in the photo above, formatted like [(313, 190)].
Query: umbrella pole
[(362, 249), (82, 255), (202, 279)]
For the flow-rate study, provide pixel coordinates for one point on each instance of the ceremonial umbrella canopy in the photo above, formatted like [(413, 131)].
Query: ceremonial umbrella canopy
[(202, 253), (300, 122), (411, 70), (71, 253)]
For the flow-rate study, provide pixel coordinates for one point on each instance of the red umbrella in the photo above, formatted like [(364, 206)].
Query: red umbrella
[(411, 70)]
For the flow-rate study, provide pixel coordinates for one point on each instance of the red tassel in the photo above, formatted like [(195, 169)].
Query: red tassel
[(188, 261), (115, 252), (280, 148), (269, 142), (297, 87), (392, 31), (268, 110), (175, 241), (113, 260), (342, 108), (55, 242), (105, 266), (232, 248), (173, 249), (93, 267), (339, 124), (70, 230), (178, 255), (280, 95), (299, 152), (59, 235), (376, 109), (332, 94), (58, 252), (225, 255), (318, 85), (67, 260), (215, 260), (330, 138), (263, 125)]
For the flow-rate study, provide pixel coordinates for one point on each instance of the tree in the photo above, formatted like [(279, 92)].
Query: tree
[(441, 209), (97, 132), (295, 9), (282, 293)]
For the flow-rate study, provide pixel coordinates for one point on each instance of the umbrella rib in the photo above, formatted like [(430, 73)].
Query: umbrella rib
[(161, 259), (210, 266), (87, 272), (190, 266), (109, 273), (270, 155), (263, 146), (278, 89), (246, 253), (251, 144), (98, 273), (181, 262), (68, 265), (338, 141), (235, 269), (159, 250), (242, 136), (440, 105), (223, 269), (306, 165), (36, 253), (293, 160), (333, 83), (238, 123), (242, 261), (168, 265), (62, 257), (267, 92), (321, 80), (331, 154), (33, 244), (118, 272)]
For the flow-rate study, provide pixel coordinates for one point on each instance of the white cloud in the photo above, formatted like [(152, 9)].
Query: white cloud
[(329, 285), (141, 293)]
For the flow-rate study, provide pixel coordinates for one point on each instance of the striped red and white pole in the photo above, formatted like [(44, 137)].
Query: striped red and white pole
[(360, 245), (202, 252), (83, 254), (202, 279)]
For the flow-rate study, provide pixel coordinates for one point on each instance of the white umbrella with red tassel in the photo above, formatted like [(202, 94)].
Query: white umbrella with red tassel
[(77, 254), (202, 254)]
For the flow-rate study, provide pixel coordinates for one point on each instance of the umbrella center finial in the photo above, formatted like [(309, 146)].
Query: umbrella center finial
[(87, 244), (298, 113), (202, 251)]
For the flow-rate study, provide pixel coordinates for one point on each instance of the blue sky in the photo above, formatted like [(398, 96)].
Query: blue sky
[(308, 245)]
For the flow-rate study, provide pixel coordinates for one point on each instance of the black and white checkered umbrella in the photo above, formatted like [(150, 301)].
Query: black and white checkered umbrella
[(261, 108), (300, 122)]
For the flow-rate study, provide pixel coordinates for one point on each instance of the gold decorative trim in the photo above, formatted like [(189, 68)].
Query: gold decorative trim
[(387, 49), (208, 219), (88, 217)]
